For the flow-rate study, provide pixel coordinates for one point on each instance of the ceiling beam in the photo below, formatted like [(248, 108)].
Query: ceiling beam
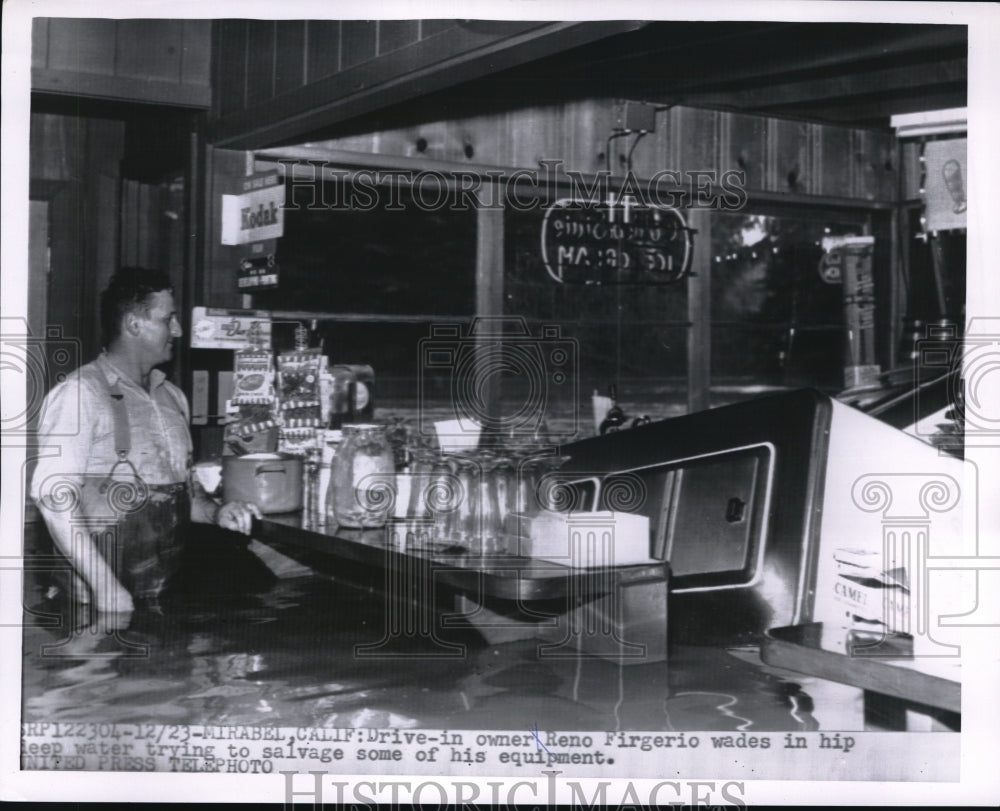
[(846, 86), (794, 49), (875, 111)]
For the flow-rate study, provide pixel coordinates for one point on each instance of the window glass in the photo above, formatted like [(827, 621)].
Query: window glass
[(777, 320)]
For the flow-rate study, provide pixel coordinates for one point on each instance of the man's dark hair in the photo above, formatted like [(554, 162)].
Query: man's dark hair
[(128, 290)]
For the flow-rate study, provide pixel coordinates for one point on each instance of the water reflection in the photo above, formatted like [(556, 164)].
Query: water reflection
[(284, 656)]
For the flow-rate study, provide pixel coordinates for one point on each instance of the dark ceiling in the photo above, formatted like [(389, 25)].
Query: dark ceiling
[(850, 73)]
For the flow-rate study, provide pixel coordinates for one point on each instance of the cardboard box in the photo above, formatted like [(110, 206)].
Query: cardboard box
[(874, 602)]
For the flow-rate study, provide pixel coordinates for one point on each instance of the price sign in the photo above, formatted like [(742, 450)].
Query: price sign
[(584, 242), (257, 273)]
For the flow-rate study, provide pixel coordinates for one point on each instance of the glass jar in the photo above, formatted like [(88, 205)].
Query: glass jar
[(362, 478)]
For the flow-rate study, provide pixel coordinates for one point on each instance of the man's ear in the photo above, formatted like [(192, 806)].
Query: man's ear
[(131, 325)]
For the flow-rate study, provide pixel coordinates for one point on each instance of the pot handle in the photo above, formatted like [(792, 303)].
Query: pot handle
[(260, 471)]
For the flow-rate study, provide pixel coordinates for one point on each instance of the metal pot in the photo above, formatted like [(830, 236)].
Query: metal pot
[(272, 481)]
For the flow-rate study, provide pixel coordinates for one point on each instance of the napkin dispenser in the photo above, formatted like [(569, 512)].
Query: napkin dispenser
[(583, 539)]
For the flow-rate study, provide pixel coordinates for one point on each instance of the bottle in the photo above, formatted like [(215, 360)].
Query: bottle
[(331, 441), (342, 396), (362, 478)]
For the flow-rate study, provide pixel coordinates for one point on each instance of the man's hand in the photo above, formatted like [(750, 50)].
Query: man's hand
[(237, 516)]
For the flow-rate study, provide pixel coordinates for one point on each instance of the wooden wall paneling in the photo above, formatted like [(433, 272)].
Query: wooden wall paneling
[(107, 145), (358, 42), (229, 58), (837, 166), (395, 34), (149, 49), (421, 141), (152, 242), (105, 141), (482, 139), (106, 148), (261, 61), (743, 147), (673, 135), (289, 55), (698, 137), (535, 136), (661, 145), (108, 246), (788, 156), (469, 139), (144, 236), (196, 52), (38, 264), (586, 127), (323, 49), (649, 156), (82, 45), (130, 223), (876, 156), (39, 42), (74, 163), (47, 148), (782, 158), (66, 268), (863, 157)]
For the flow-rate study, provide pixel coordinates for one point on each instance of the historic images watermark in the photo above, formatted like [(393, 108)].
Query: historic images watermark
[(515, 190), (506, 794)]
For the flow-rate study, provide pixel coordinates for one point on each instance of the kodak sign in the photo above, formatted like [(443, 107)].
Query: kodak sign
[(255, 215)]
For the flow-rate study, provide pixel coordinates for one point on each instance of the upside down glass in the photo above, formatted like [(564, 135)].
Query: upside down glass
[(464, 528)]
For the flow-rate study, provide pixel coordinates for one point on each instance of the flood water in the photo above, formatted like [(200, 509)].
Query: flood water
[(254, 649)]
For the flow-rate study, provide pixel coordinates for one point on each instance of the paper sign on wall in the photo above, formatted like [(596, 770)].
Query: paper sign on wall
[(946, 178), (214, 328), (255, 215)]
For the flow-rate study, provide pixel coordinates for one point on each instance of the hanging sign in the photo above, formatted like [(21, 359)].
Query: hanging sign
[(626, 242), (257, 273), (257, 214)]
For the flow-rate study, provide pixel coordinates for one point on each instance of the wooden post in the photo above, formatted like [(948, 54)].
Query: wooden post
[(489, 287), (699, 344)]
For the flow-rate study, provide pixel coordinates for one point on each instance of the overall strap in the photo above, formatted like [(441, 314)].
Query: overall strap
[(119, 414), (123, 433)]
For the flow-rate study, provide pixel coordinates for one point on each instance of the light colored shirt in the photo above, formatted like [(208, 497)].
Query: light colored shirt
[(76, 433)]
